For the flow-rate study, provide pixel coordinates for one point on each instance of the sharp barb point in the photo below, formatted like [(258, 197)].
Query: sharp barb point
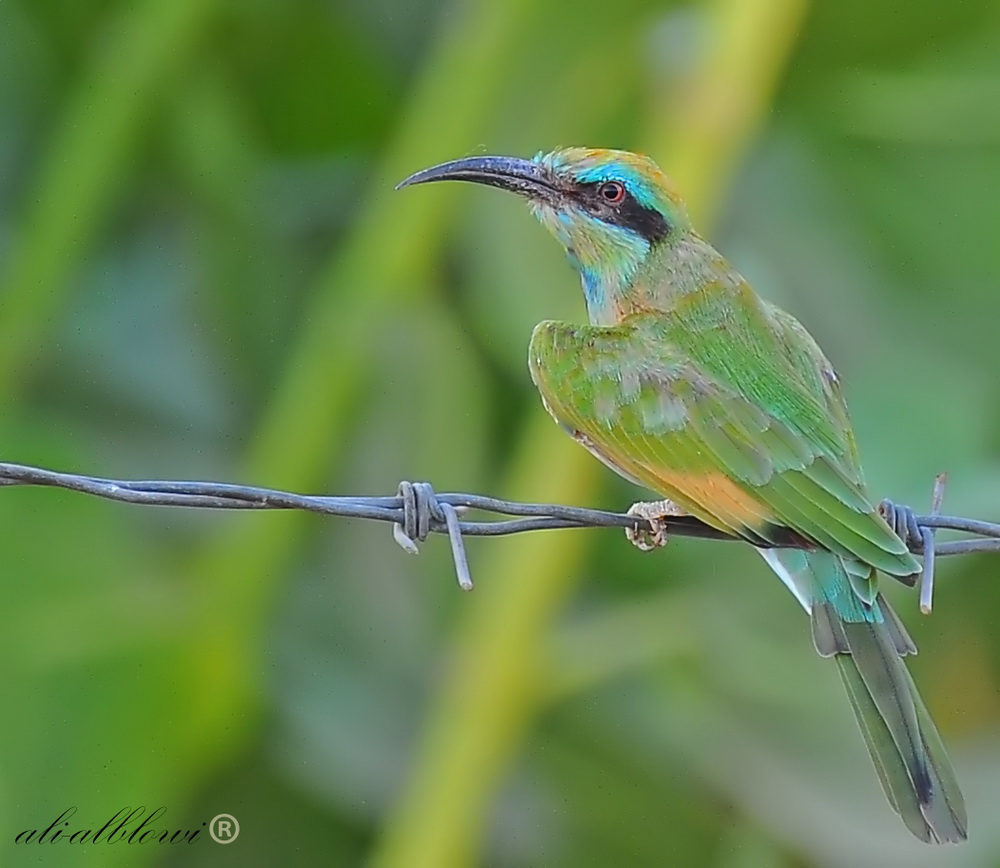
[(457, 547), (405, 543), (927, 576)]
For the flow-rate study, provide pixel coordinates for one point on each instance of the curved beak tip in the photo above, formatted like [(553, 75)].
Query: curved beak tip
[(433, 173)]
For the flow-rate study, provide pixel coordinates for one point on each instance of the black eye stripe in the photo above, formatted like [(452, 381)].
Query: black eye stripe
[(628, 213)]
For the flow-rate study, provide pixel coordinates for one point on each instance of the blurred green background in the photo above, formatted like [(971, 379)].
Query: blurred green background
[(204, 273)]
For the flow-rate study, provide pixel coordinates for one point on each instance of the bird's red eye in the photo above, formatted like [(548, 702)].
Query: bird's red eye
[(612, 192)]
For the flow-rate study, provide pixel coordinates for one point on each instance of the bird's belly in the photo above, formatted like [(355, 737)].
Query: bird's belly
[(710, 496)]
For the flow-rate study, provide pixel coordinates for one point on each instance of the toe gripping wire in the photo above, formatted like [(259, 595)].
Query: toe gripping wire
[(424, 513), (918, 536)]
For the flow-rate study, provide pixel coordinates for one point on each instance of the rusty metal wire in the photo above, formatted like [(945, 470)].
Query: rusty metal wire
[(417, 511)]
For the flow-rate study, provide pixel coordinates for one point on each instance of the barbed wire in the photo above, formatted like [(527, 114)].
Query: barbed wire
[(416, 511)]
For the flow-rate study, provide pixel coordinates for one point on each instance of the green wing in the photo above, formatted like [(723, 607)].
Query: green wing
[(732, 420), (805, 357)]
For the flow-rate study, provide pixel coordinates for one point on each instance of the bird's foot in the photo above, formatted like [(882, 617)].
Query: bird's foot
[(655, 512)]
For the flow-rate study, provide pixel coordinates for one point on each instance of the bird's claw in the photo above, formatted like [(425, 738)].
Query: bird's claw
[(655, 513)]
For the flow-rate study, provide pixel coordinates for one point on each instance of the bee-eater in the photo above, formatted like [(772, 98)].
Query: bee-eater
[(688, 383)]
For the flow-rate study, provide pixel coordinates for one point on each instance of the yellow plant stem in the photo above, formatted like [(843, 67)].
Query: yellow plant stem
[(489, 697)]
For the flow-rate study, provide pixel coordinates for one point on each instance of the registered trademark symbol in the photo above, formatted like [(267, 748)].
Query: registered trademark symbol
[(224, 828)]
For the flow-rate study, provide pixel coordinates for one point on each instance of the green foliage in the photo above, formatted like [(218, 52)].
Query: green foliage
[(204, 273)]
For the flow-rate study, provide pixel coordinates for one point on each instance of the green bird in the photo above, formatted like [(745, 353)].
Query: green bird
[(688, 383)]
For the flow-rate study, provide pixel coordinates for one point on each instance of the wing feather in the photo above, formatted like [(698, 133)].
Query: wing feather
[(743, 453)]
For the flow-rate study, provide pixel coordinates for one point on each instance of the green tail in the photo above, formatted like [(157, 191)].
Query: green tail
[(868, 644)]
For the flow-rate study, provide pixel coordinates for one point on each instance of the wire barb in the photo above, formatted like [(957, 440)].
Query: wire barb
[(417, 511), (927, 577), (918, 535), (422, 513)]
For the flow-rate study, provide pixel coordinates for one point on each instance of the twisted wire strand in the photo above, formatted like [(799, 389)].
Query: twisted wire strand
[(416, 511)]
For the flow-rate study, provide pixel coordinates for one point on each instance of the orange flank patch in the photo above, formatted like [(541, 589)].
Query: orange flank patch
[(712, 497)]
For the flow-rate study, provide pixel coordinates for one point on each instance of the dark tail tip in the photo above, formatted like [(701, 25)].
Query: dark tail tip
[(923, 784)]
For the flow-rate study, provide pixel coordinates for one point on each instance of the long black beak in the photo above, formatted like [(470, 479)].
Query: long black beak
[(507, 173)]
